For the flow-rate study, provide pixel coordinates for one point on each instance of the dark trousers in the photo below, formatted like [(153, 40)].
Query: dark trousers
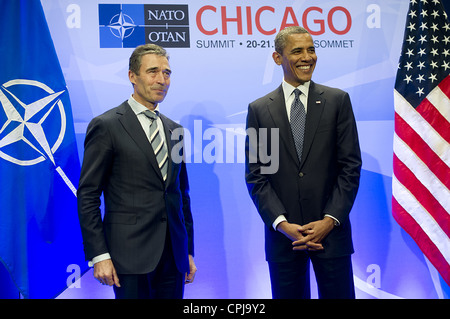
[(334, 277), (165, 282)]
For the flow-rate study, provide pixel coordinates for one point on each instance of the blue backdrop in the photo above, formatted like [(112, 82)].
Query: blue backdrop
[(221, 60)]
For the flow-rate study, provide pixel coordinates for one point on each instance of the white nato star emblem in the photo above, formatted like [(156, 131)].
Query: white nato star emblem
[(28, 128), (121, 25)]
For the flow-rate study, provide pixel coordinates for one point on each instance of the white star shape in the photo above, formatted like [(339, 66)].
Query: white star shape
[(411, 26), (433, 78), (408, 65), (121, 25), (423, 39), (420, 91), (410, 39), (407, 79), (36, 130), (409, 53), (446, 39)]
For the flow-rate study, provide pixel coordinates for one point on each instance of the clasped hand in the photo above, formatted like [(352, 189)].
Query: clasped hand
[(309, 236)]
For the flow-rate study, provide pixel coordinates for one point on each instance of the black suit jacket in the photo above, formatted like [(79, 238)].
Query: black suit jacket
[(325, 182), (139, 206)]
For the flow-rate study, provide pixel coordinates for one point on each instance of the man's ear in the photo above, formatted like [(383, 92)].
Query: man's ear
[(131, 76), (277, 58)]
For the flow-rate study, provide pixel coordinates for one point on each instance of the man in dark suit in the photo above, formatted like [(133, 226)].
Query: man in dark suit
[(305, 204), (144, 244)]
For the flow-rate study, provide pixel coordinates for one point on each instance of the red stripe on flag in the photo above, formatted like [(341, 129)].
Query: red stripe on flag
[(422, 194), (408, 223), (427, 110), (422, 150), (444, 85)]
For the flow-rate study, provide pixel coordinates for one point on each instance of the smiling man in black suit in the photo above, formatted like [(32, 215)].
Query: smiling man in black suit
[(305, 204), (144, 244)]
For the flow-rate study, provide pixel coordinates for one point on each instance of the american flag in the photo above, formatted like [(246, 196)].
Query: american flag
[(421, 165)]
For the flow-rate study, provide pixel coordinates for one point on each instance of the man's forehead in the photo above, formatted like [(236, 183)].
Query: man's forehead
[(303, 38), (154, 60)]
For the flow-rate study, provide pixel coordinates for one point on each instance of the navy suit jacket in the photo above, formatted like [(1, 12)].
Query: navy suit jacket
[(139, 206), (325, 182)]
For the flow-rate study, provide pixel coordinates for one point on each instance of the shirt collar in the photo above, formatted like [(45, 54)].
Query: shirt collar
[(137, 107), (288, 89)]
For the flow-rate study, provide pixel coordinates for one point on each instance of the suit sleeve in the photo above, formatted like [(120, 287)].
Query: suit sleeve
[(259, 187), (349, 164), (188, 220), (97, 161), (184, 189)]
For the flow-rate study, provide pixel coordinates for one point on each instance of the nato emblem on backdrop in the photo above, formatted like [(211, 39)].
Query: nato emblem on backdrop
[(130, 25)]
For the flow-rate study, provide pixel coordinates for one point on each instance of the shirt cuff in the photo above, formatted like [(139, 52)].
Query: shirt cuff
[(98, 259), (336, 221), (277, 221)]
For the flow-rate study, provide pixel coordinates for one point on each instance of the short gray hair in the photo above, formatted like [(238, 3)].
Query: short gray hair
[(136, 57), (281, 38)]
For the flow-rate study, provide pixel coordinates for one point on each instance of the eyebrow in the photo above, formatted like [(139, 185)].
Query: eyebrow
[(155, 68), (302, 48), (297, 49)]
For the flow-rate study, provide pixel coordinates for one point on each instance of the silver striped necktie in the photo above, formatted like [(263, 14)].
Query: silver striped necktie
[(158, 144)]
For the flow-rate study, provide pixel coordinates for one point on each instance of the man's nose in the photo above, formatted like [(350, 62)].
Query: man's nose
[(160, 77), (306, 56)]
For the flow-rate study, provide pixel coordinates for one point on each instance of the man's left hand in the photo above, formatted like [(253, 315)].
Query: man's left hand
[(314, 233), (192, 270)]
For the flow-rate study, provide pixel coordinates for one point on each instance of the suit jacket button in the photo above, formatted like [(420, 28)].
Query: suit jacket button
[(301, 174), (163, 219)]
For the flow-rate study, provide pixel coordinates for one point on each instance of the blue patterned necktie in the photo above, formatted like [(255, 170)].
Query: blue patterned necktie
[(158, 144), (297, 121)]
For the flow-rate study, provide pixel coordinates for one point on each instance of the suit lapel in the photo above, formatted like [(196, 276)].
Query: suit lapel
[(277, 110), (133, 127), (316, 104)]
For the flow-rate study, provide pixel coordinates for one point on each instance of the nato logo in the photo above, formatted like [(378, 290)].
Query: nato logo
[(130, 25)]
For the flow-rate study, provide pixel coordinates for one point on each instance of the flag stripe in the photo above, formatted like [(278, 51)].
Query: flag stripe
[(428, 225), (430, 250), (423, 195), (432, 115), (440, 98), (422, 150), (422, 172), (439, 145), (436, 110)]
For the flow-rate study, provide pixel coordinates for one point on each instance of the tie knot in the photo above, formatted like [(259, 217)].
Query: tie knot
[(152, 115), (297, 93)]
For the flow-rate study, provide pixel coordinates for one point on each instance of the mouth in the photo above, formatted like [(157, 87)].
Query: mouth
[(159, 89), (305, 68)]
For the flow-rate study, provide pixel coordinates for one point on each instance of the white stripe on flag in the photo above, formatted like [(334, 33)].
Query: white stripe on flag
[(430, 227), (422, 127), (440, 101), (422, 172)]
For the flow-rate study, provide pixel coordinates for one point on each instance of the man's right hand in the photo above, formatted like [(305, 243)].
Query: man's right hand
[(299, 234), (291, 231), (105, 273)]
